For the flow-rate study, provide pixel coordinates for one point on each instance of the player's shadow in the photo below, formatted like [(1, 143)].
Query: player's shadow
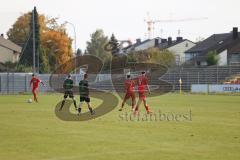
[(109, 103)]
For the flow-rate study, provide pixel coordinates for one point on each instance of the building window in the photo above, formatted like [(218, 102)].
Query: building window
[(186, 45), (235, 58), (188, 56)]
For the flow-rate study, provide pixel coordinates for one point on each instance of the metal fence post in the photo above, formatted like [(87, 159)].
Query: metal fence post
[(0, 84), (174, 80), (7, 82), (26, 79), (205, 76), (168, 76), (13, 85), (229, 70), (198, 77)]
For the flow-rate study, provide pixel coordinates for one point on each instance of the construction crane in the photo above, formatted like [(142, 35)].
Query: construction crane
[(151, 23)]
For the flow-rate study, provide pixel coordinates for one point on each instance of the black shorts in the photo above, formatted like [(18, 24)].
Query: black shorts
[(68, 94), (86, 99)]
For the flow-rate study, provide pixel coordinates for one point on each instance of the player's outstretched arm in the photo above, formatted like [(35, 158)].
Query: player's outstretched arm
[(42, 83), (30, 84)]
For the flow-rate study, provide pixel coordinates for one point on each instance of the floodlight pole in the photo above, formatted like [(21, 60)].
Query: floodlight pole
[(34, 52)]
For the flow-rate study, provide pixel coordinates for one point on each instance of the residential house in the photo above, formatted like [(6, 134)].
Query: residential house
[(9, 51), (142, 45), (226, 45), (177, 47)]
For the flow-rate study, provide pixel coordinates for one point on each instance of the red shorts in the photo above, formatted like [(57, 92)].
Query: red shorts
[(142, 95), (128, 95), (34, 89)]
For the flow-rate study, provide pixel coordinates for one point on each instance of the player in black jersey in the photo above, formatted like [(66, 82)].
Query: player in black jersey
[(84, 94)]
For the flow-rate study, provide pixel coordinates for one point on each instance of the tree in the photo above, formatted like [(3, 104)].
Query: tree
[(96, 47), (212, 58), (21, 29), (79, 52), (58, 48), (114, 45), (27, 54)]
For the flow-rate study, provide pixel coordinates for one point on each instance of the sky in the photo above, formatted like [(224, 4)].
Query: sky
[(125, 18)]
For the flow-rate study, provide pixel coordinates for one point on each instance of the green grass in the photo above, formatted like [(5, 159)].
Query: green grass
[(32, 131)]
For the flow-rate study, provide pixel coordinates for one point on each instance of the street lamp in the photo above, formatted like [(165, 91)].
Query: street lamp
[(75, 40)]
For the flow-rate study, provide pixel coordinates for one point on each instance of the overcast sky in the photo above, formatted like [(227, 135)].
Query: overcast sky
[(125, 18)]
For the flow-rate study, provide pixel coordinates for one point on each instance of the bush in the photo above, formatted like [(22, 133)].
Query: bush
[(22, 68), (212, 58)]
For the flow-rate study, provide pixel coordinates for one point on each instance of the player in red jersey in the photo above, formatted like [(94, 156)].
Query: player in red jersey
[(35, 83), (142, 82), (129, 88)]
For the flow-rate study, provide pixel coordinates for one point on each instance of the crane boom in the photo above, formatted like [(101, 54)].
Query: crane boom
[(151, 23)]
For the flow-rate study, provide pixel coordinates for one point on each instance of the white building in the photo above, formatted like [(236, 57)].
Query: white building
[(177, 47)]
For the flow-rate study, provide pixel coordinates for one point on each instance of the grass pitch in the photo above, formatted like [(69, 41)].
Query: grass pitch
[(33, 132)]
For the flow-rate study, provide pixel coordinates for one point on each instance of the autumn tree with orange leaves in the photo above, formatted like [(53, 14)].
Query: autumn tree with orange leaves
[(56, 45)]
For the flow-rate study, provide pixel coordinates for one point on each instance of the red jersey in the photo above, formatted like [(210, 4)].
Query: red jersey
[(35, 82), (142, 82), (129, 86)]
